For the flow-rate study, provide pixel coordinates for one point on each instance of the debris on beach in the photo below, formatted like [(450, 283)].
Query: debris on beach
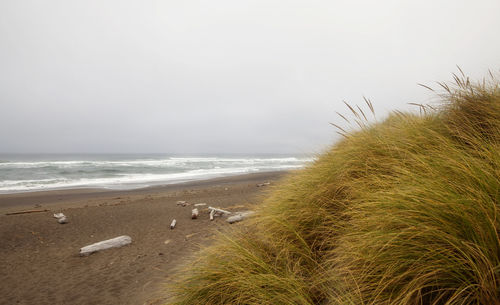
[(116, 242), (239, 217), (219, 212), (194, 213), (26, 212), (61, 218), (199, 204), (172, 225), (263, 184), (182, 203)]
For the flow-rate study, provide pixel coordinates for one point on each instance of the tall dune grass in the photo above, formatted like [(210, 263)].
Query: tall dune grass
[(405, 211)]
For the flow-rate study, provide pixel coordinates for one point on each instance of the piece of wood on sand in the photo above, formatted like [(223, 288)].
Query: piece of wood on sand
[(212, 212), (172, 225), (116, 242), (61, 218), (182, 203), (239, 216), (194, 213), (26, 212), (219, 211)]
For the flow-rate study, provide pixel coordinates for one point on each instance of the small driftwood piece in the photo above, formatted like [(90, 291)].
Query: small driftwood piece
[(212, 212), (182, 203), (61, 218), (194, 214), (116, 242), (219, 211), (239, 216), (26, 212), (172, 225), (199, 204), (263, 184)]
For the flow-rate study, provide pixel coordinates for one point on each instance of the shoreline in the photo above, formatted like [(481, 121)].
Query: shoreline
[(9, 201)]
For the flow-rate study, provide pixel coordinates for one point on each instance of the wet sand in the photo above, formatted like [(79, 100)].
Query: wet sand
[(39, 258)]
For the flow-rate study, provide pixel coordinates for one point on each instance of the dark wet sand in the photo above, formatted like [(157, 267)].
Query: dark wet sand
[(39, 260)]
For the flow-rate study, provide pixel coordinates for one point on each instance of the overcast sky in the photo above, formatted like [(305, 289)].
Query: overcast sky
[(222, 75)]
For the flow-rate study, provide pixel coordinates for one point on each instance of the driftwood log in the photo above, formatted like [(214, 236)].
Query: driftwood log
[(172, 225), (219, 211), (116, 242), (182, 203), (194, 214), (26, 212)]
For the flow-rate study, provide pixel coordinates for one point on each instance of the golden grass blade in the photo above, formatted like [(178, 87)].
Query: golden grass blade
[(340, 128), (345, 119), (426, 87), (362, 113), (370, 105), (352, 110)]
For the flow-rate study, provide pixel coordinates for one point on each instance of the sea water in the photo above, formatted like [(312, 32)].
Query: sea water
[(23, 173)]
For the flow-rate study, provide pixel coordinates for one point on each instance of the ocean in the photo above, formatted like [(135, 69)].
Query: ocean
[(25, 173)]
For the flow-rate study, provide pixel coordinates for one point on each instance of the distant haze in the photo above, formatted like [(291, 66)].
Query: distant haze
[(260, 76)]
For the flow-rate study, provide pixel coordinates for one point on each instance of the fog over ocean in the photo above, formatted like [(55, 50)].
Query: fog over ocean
[(31, 172)]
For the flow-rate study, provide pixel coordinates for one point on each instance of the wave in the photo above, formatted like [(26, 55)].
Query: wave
[(127, 181)]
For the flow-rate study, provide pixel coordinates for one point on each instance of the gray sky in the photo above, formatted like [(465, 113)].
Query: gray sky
[(222, 75)]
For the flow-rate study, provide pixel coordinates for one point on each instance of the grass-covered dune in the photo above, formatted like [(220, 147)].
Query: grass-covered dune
[(404, 211)]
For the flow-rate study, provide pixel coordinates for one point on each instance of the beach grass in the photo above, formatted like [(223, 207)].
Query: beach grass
[(403, 211)]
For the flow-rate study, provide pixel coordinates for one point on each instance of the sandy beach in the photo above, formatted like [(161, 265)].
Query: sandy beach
[(40, 262)]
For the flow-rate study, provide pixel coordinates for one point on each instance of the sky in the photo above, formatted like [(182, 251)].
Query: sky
[(223, 76)]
